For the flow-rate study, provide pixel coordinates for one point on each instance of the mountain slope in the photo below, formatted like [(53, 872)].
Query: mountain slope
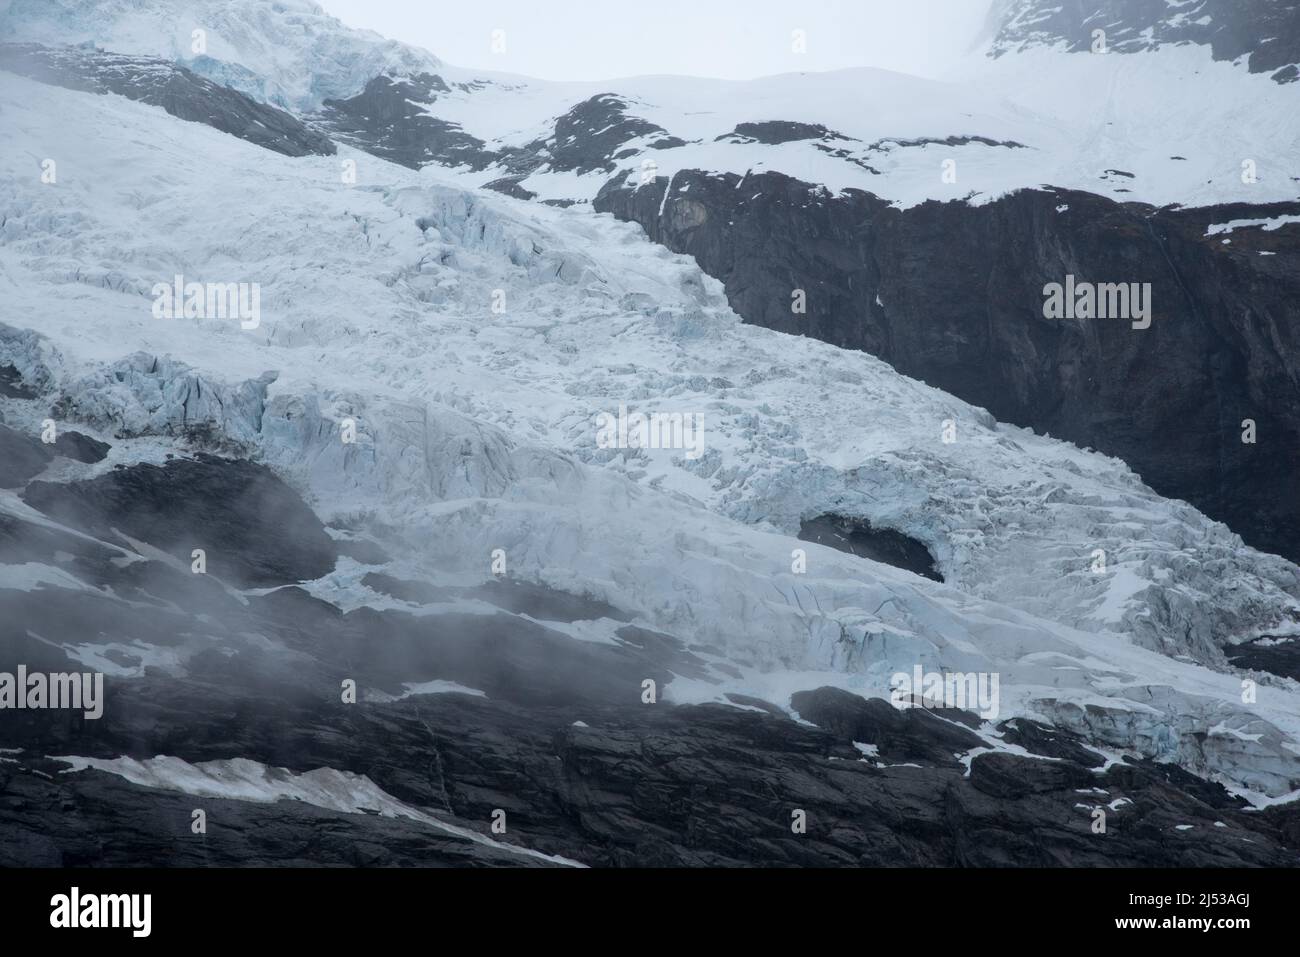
[(426, 262), (1179, 117), (1264, 34), (422, 393), (162, 83), (289, 53)]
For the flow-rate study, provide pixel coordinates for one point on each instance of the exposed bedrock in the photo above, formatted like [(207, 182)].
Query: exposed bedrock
[(159, 82), (1281, 656), (953, 294), (209, 693), (1263, 33), (252, 528), (390, 119), (21, 457)]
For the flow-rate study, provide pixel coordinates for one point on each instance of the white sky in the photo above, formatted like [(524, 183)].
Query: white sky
[(733, 39)]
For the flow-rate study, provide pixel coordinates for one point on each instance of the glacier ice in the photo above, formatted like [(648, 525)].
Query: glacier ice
[(476, 431)]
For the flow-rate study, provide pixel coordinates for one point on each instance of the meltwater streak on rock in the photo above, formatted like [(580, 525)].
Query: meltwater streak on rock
[(952, 294)]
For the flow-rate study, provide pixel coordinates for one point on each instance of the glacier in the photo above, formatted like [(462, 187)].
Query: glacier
[(290, 53), (476, 432)]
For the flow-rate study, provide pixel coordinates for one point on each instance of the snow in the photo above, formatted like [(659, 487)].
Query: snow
[(476, 431), (96, 658), (1075, 116), (289, 53), (240, 779), (1124, 585), (1269, 224), (440, 687), (29, 576)]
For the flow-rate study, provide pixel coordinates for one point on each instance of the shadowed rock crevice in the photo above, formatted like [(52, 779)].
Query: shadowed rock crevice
[(859, 537)]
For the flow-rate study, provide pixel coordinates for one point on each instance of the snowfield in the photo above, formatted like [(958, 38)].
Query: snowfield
[(474, 339), (1171, 126), (1180, 123)]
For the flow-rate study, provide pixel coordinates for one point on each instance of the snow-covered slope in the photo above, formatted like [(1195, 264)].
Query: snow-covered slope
[(289, 53), (1174, 125), (1176, 120), (474, 339), (1263, 35)]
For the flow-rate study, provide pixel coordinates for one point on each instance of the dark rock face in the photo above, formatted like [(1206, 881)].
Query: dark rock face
[(386, 119), (21, 457), (254, 530), (509, 186), (909, 734), (12, 385), (1267, 32), (390, 118), (909, 143), (159, 82), (1044, 740), (1279, 656), (879, 544), (556, 732), (82, 448), (773, 132), (953, 294), (589, 136), (103, 821), (1011, 776)]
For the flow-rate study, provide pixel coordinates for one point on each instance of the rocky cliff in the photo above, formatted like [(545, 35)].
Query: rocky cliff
[(953, 294)]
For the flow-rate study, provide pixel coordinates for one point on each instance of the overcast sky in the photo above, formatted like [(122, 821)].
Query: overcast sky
[(734, 39)]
